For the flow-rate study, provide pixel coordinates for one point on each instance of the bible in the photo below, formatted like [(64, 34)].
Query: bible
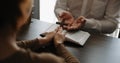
[(78, 37)]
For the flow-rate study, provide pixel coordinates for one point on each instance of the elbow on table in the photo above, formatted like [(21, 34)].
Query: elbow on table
[(110, 29)]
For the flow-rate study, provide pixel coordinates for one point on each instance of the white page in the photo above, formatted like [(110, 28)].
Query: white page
[(79, 37)]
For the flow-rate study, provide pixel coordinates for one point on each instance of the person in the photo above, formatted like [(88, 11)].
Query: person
[(89, 15), (14, 14)]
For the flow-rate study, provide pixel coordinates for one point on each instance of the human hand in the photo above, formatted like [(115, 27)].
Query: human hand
[(59, 37), (77, 24), (66, 18), (81, 19), (48, 37)]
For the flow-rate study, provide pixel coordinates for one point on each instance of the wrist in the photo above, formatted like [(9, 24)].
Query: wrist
[(83, 24), (42, 41)]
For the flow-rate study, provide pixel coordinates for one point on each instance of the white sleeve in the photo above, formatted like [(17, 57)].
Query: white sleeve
[(109, 23), (61, 6)]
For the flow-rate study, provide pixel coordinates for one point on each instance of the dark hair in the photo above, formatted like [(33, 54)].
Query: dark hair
[(9, 13)]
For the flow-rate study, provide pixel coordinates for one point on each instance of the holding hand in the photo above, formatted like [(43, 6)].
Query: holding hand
[(59, 38), (48, 37), (76, 25), (56, 35), (66, 18)]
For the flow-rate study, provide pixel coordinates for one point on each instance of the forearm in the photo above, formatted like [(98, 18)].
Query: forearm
[(63, 52), (34, 44), (102, 26), (29, 44), (61, 6), (108, 23)]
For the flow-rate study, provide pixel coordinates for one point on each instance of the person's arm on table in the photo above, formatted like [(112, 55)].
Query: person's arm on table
[(61, 50), (109, 23), (36, 43)]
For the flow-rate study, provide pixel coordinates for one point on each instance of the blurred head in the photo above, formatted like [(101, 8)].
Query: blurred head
[(14, 13)]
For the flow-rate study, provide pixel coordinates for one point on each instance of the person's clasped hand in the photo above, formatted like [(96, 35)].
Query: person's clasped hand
[(55, 35), (48, 37), (59, 37)]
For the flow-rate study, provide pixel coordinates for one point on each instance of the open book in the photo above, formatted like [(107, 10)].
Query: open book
[(79, 37)]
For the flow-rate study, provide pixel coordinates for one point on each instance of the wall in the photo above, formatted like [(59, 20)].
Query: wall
[(36, 10), (47, 11)]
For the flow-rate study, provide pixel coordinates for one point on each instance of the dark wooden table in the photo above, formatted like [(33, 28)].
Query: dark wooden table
[(98, 48)]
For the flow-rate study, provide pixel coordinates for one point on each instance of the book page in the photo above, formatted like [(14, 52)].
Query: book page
[(52, 28), (78, 37)]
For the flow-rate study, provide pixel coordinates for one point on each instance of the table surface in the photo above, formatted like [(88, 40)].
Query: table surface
[(97, 49)]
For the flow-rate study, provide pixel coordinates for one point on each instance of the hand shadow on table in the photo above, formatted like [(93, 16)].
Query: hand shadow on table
[(70, 44)]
